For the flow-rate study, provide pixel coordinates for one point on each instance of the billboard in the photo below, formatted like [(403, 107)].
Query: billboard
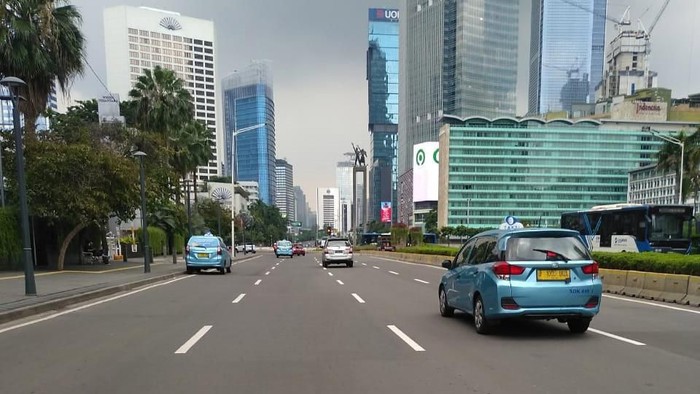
[(108, 109), (383, 15), (425, 171), (385, 212)]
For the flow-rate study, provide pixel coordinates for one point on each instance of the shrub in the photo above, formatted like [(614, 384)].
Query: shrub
[(10, 239), (669, 263), (430, 249)]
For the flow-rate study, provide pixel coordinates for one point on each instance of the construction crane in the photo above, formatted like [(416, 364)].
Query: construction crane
[(623, 21), (647, 33)]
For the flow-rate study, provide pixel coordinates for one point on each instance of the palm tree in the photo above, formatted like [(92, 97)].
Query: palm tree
[(41, 43), (191, 149), (669, 159), (164, 104)]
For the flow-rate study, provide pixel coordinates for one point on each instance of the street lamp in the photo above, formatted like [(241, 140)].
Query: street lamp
[(678, 142), (189, 209), (144, 226), (234, 169), (13, 84)]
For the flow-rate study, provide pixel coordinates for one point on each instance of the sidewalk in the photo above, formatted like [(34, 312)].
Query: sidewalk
[(79, 283)]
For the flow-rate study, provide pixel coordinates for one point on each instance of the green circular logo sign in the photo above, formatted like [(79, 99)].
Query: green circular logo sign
[(420, 157), (436, 158)]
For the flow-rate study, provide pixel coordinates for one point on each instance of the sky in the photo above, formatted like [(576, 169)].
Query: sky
[(318, 52)]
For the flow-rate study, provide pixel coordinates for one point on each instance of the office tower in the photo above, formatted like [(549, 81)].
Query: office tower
[(140, 38), (458, 58), (301, 207), (285, 189), (249, 116), (567, 50), (343, 182), (383, 97), (327, 204)]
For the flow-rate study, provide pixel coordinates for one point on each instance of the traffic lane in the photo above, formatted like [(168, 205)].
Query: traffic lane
[(542, 356), (671, 330), (668, 329), (299, 331), (129, 336), (424, 272)]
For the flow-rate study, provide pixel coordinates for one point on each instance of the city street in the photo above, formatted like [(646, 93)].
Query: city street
[(291, 326)]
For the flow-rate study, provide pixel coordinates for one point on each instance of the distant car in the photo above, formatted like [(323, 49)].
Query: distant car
[(386, 246), (284, 248), (205, 252), (337, 251), (298, 250), (523, 273)]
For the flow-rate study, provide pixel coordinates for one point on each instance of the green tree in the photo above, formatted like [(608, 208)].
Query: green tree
[(669, 159), (41, 43), (215, 215), (446, 232), (268, 224), (399, 233), (431, 222), (378, 227), (460, 231), (171, 219), (162, 102), (191, 149)]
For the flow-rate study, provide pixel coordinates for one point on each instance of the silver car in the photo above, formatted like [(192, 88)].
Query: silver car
[(337, 251)]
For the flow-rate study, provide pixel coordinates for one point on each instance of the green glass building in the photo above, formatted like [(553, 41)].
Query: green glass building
[(535, 169)]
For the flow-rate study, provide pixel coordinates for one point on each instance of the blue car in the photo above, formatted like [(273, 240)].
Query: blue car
[(205, 252), (284, 248), (523, 273)]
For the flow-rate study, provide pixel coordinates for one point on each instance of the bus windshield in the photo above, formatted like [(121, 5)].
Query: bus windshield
[(667, 226)]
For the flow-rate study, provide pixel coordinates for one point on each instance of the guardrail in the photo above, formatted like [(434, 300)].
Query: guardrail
[(680, 289)]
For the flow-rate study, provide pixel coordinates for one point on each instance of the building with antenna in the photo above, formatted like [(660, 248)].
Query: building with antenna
[(140, 38)]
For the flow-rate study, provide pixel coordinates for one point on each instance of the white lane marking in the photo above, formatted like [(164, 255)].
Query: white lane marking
[(258, 282), (55, 315), (410, 342), (277, 264), (340, 282), (246, 260), (422, 281), (365, 264), (267, 273), (274, 267), (375, 267), (238, 299), (358, 298), (675, 308), (619, 338), (393, 272), (330, 274), (406, 262), (191, 342), (325, 269)]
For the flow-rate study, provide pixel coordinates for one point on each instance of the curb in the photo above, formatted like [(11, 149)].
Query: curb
[(61, 303)]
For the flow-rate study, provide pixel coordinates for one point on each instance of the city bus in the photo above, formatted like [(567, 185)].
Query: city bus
[(633, 227)]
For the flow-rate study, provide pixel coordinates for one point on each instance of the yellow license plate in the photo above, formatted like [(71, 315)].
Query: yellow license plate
[(203, 255), (553, 275)]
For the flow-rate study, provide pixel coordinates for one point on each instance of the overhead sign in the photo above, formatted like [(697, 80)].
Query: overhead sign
[(383, 15), (108, 109), (425, 171)]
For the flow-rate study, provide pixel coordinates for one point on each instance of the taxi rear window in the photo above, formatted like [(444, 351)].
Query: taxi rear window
[(204, 242), (536, 248)]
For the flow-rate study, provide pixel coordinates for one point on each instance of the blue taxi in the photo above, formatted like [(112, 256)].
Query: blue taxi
[(206, 252), (284, 248), (523, 273)]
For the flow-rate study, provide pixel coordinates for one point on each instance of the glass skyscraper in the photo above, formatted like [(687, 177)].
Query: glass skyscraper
[(383, 97), (459, 58), (567, 51), (249, 115)]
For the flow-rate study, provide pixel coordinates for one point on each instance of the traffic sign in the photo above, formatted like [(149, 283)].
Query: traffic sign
[(296, 224)]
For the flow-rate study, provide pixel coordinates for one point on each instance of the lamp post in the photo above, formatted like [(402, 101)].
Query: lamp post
[(144, 225), (189, 210), (13, 84), (2, 179), (234, 169), (680, 143)]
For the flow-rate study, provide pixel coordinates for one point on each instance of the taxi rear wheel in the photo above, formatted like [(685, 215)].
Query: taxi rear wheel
[(481, 323)]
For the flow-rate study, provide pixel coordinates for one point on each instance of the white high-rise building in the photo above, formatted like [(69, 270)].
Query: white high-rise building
[(343, 181), (327, 208), (139, 38)]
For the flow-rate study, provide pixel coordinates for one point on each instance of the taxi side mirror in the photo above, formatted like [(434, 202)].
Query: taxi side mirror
[(447, 264)]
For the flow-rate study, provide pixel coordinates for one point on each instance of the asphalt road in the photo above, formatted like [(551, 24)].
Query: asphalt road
[(290, 326)]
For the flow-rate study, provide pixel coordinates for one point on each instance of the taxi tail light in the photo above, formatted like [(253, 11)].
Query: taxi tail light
[(218, 250), (590, 269), (592, 302), (502, 269)]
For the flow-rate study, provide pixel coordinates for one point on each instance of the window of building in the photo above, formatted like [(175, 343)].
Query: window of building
[(155, 50), (201, 115), (211, 115), (167, 44), (156, 58), (210, 87), (210, 80), (145, 56), (210, 101), (200, 92), (210, 108), (198, 78), (144, 40), (145, 48), (209, 65), (209, 58), (143, 33), (208, 43), (133, 39), (210, 94), (199, 64), (145, 63), (200, 99), (201, 107), (209, 72), (198, 49), (166, 36), (208, 50), (134, 62), (133, 31), (155, 35), (177, 38), (167, 59), (135, 69), (133, 47), (187, 40), (200, 57), (199, 86), (133, 54)]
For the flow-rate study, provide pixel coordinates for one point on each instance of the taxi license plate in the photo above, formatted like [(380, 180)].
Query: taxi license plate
[(553, 275), (203, 255)]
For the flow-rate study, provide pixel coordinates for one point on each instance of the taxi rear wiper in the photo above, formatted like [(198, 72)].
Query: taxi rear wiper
[(551, 253)]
